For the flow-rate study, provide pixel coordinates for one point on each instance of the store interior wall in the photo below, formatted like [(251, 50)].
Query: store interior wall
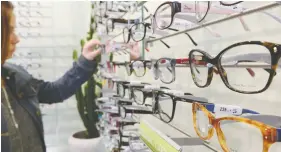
[(262, 28), (62, 25)]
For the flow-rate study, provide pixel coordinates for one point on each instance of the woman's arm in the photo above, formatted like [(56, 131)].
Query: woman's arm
[(66, 86)]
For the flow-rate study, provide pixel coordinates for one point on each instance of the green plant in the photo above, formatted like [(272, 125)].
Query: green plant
[(88, 93)]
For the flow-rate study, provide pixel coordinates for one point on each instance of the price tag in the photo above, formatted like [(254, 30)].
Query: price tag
[(166, 90), (152, 87), (178, 93), (116, 80), (135, 82), (228, 109)]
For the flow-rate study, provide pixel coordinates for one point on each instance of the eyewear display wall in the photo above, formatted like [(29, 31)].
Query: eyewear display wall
[(246, 67), (205, 122)]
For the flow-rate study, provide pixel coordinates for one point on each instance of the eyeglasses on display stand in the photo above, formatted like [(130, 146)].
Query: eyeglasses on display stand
[(248, 67)]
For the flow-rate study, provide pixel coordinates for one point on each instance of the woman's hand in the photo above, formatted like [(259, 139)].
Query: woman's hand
[(89, 51)]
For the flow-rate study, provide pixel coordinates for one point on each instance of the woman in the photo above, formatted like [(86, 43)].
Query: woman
[(21, 123)]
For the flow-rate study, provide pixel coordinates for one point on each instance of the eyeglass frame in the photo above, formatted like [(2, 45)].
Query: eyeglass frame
[(173, 63), (133, 110), (268, 132), (176, 8), (145, 63), (146, 94), (275, 52)]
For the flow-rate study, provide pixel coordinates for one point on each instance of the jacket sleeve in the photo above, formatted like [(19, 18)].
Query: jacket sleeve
[(66, 86)]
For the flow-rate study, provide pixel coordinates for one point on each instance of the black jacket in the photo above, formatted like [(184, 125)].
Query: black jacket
[(29, 92)]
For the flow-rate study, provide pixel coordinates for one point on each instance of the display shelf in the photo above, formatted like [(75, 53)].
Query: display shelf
[(182, 141)]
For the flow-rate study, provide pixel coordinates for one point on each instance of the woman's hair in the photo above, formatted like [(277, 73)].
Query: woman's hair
[(6, 14)]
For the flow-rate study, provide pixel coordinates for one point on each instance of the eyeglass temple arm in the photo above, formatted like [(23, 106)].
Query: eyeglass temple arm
[(138, 111), (189, 36), (128, 123), (168, 46), (172, 29), (252, 73), (189, 98)]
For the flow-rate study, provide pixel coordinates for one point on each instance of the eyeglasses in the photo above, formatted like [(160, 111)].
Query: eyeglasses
[(125, 110), (122, 86), (234, 133), (263, 57), (171, 8), (164, 15), (138, 32), (164, 68), (140, 95), (200, 9), (138, 67), (164, 102)]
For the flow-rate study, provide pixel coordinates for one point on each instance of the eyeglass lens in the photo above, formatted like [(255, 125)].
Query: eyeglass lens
[(138, 32), (139, 68), (126, 35), (138, 96), (164, 106), (163, 16), (165, 70)]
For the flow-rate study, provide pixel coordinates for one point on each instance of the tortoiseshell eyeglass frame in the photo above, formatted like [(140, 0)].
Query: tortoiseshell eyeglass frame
[(269, 133), (273, 48)]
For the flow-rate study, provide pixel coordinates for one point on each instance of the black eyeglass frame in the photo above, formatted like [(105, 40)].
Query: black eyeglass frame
[(146, 94), (133, 111), (174, 98), (176, 8)]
